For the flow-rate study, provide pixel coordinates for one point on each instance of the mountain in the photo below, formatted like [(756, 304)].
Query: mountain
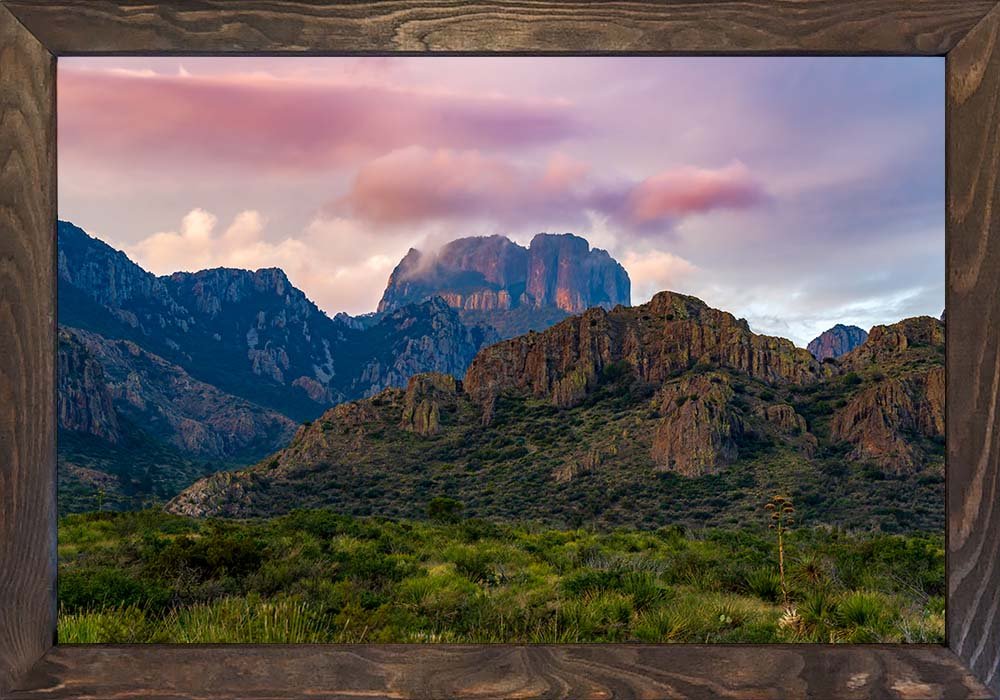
[(253, 334), (146, 390), (837, 341), (165, 379), (669, 412), (492, 280), (133, 426)]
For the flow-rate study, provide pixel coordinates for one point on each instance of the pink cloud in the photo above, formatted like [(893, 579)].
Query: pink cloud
[(416, 185), (132, 117), (685, 191)]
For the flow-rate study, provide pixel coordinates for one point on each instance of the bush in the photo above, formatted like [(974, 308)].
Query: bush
[(91, 589), (444, 509), (764, 583)]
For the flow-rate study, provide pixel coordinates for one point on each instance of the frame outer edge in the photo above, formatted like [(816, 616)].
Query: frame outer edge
[(28, 349), (973, 351)]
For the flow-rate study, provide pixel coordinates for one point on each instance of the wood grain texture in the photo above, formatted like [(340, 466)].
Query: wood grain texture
[(497, 671), (27, 350), (563, 26), (973, 350)]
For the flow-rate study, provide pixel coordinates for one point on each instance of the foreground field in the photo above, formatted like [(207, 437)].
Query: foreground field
[(314, 576)]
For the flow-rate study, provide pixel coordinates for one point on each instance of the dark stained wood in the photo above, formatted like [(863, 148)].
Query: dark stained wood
[(27, 349), (973, 351), (691, 26), (581, 672)]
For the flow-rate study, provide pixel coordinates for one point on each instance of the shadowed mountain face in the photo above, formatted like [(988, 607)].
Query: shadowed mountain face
[(494, 281), (199, 371), (837, 341), (253, 334), (666, 412)]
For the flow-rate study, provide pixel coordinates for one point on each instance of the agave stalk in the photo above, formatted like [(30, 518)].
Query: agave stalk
[(782, 518)]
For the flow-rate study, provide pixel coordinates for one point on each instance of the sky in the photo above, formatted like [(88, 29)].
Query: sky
[(795, 192)]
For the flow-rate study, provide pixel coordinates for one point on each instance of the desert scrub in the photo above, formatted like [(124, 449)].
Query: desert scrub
[(319, 576)]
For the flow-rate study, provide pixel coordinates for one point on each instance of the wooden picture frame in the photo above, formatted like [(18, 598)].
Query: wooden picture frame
[(34, 33)]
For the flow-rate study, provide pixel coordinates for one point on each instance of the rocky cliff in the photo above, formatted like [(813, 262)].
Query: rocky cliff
[(515, 289), (837, 341), (899, 417), (84, 401)]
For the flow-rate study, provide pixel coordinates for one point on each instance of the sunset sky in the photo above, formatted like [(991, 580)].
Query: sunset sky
[(795, 192)]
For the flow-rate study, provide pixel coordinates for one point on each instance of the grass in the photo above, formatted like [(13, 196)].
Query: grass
[(316, 576)]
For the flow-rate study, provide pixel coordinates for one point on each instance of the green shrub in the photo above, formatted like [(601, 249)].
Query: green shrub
[(91, 589), (765, 583), (444, 509)]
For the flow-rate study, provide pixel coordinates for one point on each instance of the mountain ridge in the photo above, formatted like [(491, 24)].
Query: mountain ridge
[(618, 417)]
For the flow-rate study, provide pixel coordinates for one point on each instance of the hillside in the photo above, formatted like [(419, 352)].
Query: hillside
[(669, 412)]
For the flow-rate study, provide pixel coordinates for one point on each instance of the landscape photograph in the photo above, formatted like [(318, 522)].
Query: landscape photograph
[(501, 350)]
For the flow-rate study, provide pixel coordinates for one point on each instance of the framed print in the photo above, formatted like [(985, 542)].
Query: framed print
[(400, 350)]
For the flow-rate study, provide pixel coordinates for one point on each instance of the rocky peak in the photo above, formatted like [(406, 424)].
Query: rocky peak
[(213, 289), (494, 280), (836, 341), (886, 343), (565, 273), (670, 334)]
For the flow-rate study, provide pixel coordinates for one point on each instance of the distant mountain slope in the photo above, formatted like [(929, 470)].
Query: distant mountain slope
[(837, 341), (172, 406), (134, 426), (662, 413), (492, 280), (253, 334)]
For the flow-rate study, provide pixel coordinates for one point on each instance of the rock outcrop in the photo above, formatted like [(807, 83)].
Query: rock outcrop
[(698, 431), (886, 344), (880, 420), (514, 289), (837, 341), (427, 397)]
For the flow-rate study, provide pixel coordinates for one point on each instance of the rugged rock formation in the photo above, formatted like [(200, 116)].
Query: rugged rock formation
[(885, 421), (886, 344), (880, 420), (837, 341), (427, 397), (698, 432), (784, 418), (582, 421), (424, 337), (84, 401), (670, 334), (493, 280), (253, 334), (166, 402)]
